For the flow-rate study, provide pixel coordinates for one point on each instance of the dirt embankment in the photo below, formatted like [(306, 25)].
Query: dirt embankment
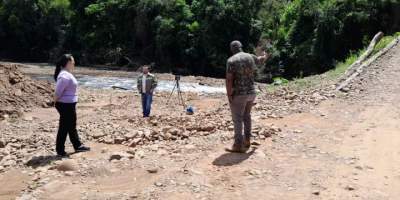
[(19, 93)]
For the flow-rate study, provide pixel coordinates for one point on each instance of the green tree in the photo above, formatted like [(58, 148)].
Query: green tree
[(306, 36), (222, 21), (313, 34), (33, 29)]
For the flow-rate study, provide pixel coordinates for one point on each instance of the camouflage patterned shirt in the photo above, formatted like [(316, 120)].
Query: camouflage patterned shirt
[(243, 67)]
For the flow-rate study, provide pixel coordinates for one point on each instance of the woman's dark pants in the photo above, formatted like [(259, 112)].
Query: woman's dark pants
[(67, 126)]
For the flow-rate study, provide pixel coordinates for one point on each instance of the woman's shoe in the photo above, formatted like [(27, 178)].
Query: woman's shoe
[(82, 148), (62, 155)]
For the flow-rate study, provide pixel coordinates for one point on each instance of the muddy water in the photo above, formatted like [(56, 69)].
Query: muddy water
[(100, 82)]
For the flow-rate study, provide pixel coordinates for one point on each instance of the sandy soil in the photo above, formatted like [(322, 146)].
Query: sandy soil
[(343, 148)]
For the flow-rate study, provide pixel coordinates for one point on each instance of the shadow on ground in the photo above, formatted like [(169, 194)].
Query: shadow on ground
[(230, 159), (40, 161)]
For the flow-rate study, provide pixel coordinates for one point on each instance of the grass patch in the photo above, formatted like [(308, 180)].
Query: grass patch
[(332, 75), (299, 84), (341, 67), (384, 42)]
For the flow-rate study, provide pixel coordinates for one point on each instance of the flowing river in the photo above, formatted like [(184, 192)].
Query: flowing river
[(101, 82)]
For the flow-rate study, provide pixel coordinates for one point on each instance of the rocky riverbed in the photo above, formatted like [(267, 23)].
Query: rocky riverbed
[(110, 121)]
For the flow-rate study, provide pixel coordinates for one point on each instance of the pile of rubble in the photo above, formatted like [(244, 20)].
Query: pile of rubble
[(284, 101), (139, 131), (19, 93)]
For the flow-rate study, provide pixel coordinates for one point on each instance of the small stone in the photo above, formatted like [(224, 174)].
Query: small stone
[(158, 184), (132, 152), (130, 136), (345, 89), (147, 134), (124, 156), (98, 135), (2, 143), (359, 167), (316, 193), (190, 147), (167, 136), (69, 173), (15, 145), (104, 150), (254, 172), (119, 140), (139, 154), (108, 140), (162, 152), (174, 131), (115, 156), (165, 129), (26, 197), (208, 128), (9, 163), (154, 147), (28, 118), (135, 142), (185, 134), (260, 154), (369, 167), (67, 165), (349, 188), (152, 170), (275, 129), (133, 196), (140, 133)]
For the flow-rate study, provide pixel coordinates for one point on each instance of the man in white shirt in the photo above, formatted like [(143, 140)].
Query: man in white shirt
[(146, 84)]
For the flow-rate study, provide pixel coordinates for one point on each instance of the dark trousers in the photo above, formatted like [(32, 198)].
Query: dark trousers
[(147, 99), (67, 126), (241, 115)]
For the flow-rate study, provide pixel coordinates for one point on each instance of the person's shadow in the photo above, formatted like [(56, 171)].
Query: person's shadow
[(230, 159), (41, 161)]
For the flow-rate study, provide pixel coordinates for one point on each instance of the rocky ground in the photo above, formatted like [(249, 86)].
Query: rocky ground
[(314, 144)]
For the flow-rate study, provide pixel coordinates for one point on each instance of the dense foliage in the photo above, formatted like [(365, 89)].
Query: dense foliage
[(312, 34), (306, 36)]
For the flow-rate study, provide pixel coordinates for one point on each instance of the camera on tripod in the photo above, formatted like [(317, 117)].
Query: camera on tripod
[(177, 72)]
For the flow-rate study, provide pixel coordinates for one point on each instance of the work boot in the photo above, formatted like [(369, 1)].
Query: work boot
[(62, 154), (246, 143), (236, 148)]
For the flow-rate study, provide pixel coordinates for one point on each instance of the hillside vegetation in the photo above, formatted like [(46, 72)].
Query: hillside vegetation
[(304, 36)]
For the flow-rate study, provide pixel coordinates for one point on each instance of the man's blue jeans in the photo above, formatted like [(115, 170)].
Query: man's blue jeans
[(147, 99)]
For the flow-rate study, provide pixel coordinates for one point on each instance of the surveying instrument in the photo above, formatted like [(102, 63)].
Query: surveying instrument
[(178, 89)]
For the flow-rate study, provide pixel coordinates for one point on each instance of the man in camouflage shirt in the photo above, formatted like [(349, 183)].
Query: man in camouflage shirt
[(240, 75)]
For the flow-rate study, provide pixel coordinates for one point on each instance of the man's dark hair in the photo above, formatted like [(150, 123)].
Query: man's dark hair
[(236, 46)]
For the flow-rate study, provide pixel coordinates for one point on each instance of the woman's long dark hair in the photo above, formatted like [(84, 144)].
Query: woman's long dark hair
[(61, 63)]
